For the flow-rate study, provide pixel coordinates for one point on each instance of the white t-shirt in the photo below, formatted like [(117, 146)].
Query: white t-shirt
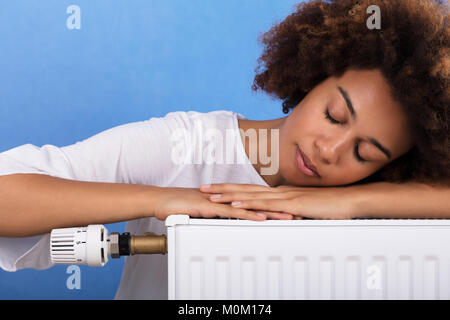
[(181, 149)]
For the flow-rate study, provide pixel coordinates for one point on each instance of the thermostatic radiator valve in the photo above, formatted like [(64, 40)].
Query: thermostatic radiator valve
[(92, 245)]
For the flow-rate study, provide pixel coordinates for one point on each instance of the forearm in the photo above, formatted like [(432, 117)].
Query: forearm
[(32, 204), (403, 201)]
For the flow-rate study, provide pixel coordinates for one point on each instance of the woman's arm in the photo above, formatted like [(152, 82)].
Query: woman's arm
[(403, 201), (33, 204)]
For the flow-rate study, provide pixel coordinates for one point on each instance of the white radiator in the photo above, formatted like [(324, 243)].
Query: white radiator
[(308, 259)]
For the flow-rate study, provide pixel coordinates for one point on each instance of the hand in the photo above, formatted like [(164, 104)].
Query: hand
[(196, 204), (285, 202)]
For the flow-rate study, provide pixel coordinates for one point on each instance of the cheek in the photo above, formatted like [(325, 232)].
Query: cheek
[(354, 174), (347, 174), (283, 149), (309, 124), (286, 154)]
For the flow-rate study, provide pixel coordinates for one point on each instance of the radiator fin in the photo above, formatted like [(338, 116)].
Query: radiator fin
[(352, 279), (431, 281), (196, 278), (274, 278), (300, 275), (404, 278), (248, 280), (222, 278), (326, 278)]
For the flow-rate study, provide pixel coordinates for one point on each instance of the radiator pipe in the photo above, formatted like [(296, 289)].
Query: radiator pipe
[(149, 243)]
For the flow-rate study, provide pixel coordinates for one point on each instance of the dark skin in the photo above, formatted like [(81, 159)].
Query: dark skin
[(331, 147)]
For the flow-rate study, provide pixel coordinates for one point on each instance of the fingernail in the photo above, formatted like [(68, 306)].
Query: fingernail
[(236, 203), (261, 215), (205, 186), (216, 196)]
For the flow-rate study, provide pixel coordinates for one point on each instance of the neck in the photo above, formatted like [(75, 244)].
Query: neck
[(259, 126)]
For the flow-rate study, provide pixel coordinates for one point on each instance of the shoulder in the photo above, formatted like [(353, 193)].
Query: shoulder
[(190, 119), (218, 114)]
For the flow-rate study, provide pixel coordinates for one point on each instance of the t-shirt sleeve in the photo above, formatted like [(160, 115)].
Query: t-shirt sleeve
[(135, 153)]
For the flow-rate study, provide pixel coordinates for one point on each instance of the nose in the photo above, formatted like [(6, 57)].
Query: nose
[(330, 149)]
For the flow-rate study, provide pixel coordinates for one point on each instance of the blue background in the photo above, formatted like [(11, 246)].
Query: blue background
[(130, 61)]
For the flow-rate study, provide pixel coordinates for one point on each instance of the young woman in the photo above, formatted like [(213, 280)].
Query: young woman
[(368, 136), (377, 112)]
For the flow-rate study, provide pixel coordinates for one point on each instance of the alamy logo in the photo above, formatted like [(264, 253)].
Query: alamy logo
[(374, 21), (74, 20), (74, 280), (374, 275), (208, 146)]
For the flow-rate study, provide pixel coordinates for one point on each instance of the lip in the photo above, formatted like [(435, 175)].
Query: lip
[(304, 164)]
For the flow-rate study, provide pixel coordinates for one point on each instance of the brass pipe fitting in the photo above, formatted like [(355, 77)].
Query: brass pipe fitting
[(149, 243)]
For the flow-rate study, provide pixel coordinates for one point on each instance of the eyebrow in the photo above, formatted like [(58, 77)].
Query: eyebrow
[(374, 141)]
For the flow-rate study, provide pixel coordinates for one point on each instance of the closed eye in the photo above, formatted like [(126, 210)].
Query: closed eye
[(334, 121)]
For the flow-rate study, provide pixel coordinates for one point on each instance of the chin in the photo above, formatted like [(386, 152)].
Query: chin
[(294, 180)]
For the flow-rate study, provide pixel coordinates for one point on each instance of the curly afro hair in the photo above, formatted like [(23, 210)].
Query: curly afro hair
[(412, 50)]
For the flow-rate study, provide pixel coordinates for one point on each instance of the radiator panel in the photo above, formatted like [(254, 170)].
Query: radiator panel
[(308, 259)]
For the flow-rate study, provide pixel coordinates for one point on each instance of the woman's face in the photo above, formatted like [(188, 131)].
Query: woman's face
[(373, 130)]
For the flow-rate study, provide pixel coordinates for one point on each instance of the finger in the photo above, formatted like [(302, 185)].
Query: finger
[(285, 188), (232, 196), (278, 215), (223, 210), (230, 187), (273, 205)]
